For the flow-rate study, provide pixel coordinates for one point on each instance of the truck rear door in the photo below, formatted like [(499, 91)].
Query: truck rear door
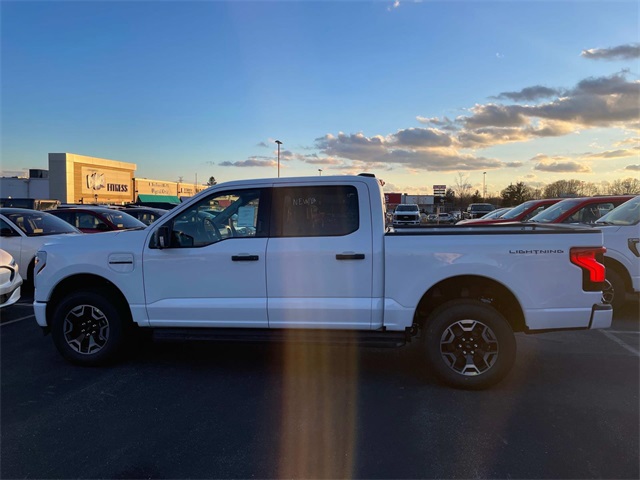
[(319, 257)]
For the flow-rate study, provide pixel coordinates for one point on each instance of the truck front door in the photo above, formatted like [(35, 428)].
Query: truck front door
[(212, 272)]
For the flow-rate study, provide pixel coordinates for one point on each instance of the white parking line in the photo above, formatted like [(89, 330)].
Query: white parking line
[(624, 331), (17, 320), (610, 336)]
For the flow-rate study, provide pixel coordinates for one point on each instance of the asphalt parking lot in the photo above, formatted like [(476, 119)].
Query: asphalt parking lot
[(569, 409)]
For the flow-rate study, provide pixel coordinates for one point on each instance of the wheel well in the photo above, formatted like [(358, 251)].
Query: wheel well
[(613, 264), (475, 287), (86, 282)]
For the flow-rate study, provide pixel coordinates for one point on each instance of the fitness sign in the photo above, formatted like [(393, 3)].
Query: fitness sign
[(100, 181)]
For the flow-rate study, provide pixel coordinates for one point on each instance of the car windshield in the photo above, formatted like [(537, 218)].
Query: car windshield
[(407, 208), (555, 211), (517, 211), (626, 214), (123, 220), (481, 208), (36, 223)]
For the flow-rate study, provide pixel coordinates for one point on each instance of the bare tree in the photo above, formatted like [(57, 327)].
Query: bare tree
[(563, 188), (462, 187), (627, 186)]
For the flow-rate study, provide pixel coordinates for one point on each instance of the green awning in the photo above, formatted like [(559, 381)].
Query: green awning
[(159, 198)]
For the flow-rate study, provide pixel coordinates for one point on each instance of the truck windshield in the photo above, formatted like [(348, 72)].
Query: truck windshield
[(626, 214), (554, 211), (407, 208)]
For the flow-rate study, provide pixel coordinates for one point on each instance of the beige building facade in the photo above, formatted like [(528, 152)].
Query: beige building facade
[(77, 178)]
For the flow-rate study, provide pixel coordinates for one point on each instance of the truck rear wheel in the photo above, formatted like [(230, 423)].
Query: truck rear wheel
[(619, 291), (469, 344), (88, 328)]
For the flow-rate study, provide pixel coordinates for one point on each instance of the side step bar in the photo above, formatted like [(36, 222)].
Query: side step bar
[(333, 337)]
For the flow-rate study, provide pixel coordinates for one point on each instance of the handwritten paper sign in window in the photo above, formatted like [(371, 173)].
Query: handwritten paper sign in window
[(246, 216)]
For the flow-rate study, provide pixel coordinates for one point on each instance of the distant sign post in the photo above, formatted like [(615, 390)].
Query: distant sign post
[(439, 191)]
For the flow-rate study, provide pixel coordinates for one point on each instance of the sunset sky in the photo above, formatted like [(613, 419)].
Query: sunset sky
[(418, 92)]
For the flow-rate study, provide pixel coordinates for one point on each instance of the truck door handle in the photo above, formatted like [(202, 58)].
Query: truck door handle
[(350, 256), (245, 258)]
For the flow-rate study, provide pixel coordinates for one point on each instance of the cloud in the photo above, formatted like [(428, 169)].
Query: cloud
[(628, 141), (420, 138), (496, 116), (251, 162), (622, 153), (621, 52), (594, 102), (530, 93), (559, 165), (635, 168), (395, 4), (263, 145)]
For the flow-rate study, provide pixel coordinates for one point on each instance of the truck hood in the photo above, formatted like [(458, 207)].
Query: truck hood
[(107, 241)]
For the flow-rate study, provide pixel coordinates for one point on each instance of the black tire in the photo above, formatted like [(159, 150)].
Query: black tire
[(95, 314), (456, 357), (619, 291)]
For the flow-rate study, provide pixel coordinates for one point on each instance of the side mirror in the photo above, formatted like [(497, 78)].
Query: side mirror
[(163, 237)]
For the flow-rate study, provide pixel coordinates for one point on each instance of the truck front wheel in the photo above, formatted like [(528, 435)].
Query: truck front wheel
[(88, 328), (469, 344)]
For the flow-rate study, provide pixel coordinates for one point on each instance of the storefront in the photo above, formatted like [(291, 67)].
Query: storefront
[(155, 191), (81, 179)]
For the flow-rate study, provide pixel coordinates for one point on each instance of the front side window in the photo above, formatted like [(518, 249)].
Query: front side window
[(221, 216), (590, 213), (315, 211)]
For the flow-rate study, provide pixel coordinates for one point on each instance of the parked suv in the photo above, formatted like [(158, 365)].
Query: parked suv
[(580, 210), (97, 219), (477, 210)]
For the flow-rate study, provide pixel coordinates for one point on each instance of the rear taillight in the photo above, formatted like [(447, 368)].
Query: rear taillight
[(590, 260)]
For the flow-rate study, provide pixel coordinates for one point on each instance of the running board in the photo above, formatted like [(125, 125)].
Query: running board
[(333, 337)]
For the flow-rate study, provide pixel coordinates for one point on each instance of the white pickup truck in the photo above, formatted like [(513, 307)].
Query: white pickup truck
[(259, 259), (406, 214), (621, 229)]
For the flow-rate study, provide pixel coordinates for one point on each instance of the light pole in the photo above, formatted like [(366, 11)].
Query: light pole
[(484, 185), (279, 143), (320, 171)]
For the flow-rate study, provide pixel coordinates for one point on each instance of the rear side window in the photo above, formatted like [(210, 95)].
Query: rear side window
[(315, 211)]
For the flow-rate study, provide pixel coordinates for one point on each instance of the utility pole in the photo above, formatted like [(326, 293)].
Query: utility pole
[(279, 143), (484, 185)]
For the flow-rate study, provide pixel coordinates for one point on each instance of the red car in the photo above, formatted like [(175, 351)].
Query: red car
[(97, 219), (580, 210), (521, 213)]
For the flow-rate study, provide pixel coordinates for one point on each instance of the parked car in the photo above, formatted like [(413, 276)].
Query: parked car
[(497, 213), (621, 229), (90, 219), (521, 213), (432, 217), (24, 231), (146, 215), (477, 210), (445, 218), (10, 280), (580, 210)]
